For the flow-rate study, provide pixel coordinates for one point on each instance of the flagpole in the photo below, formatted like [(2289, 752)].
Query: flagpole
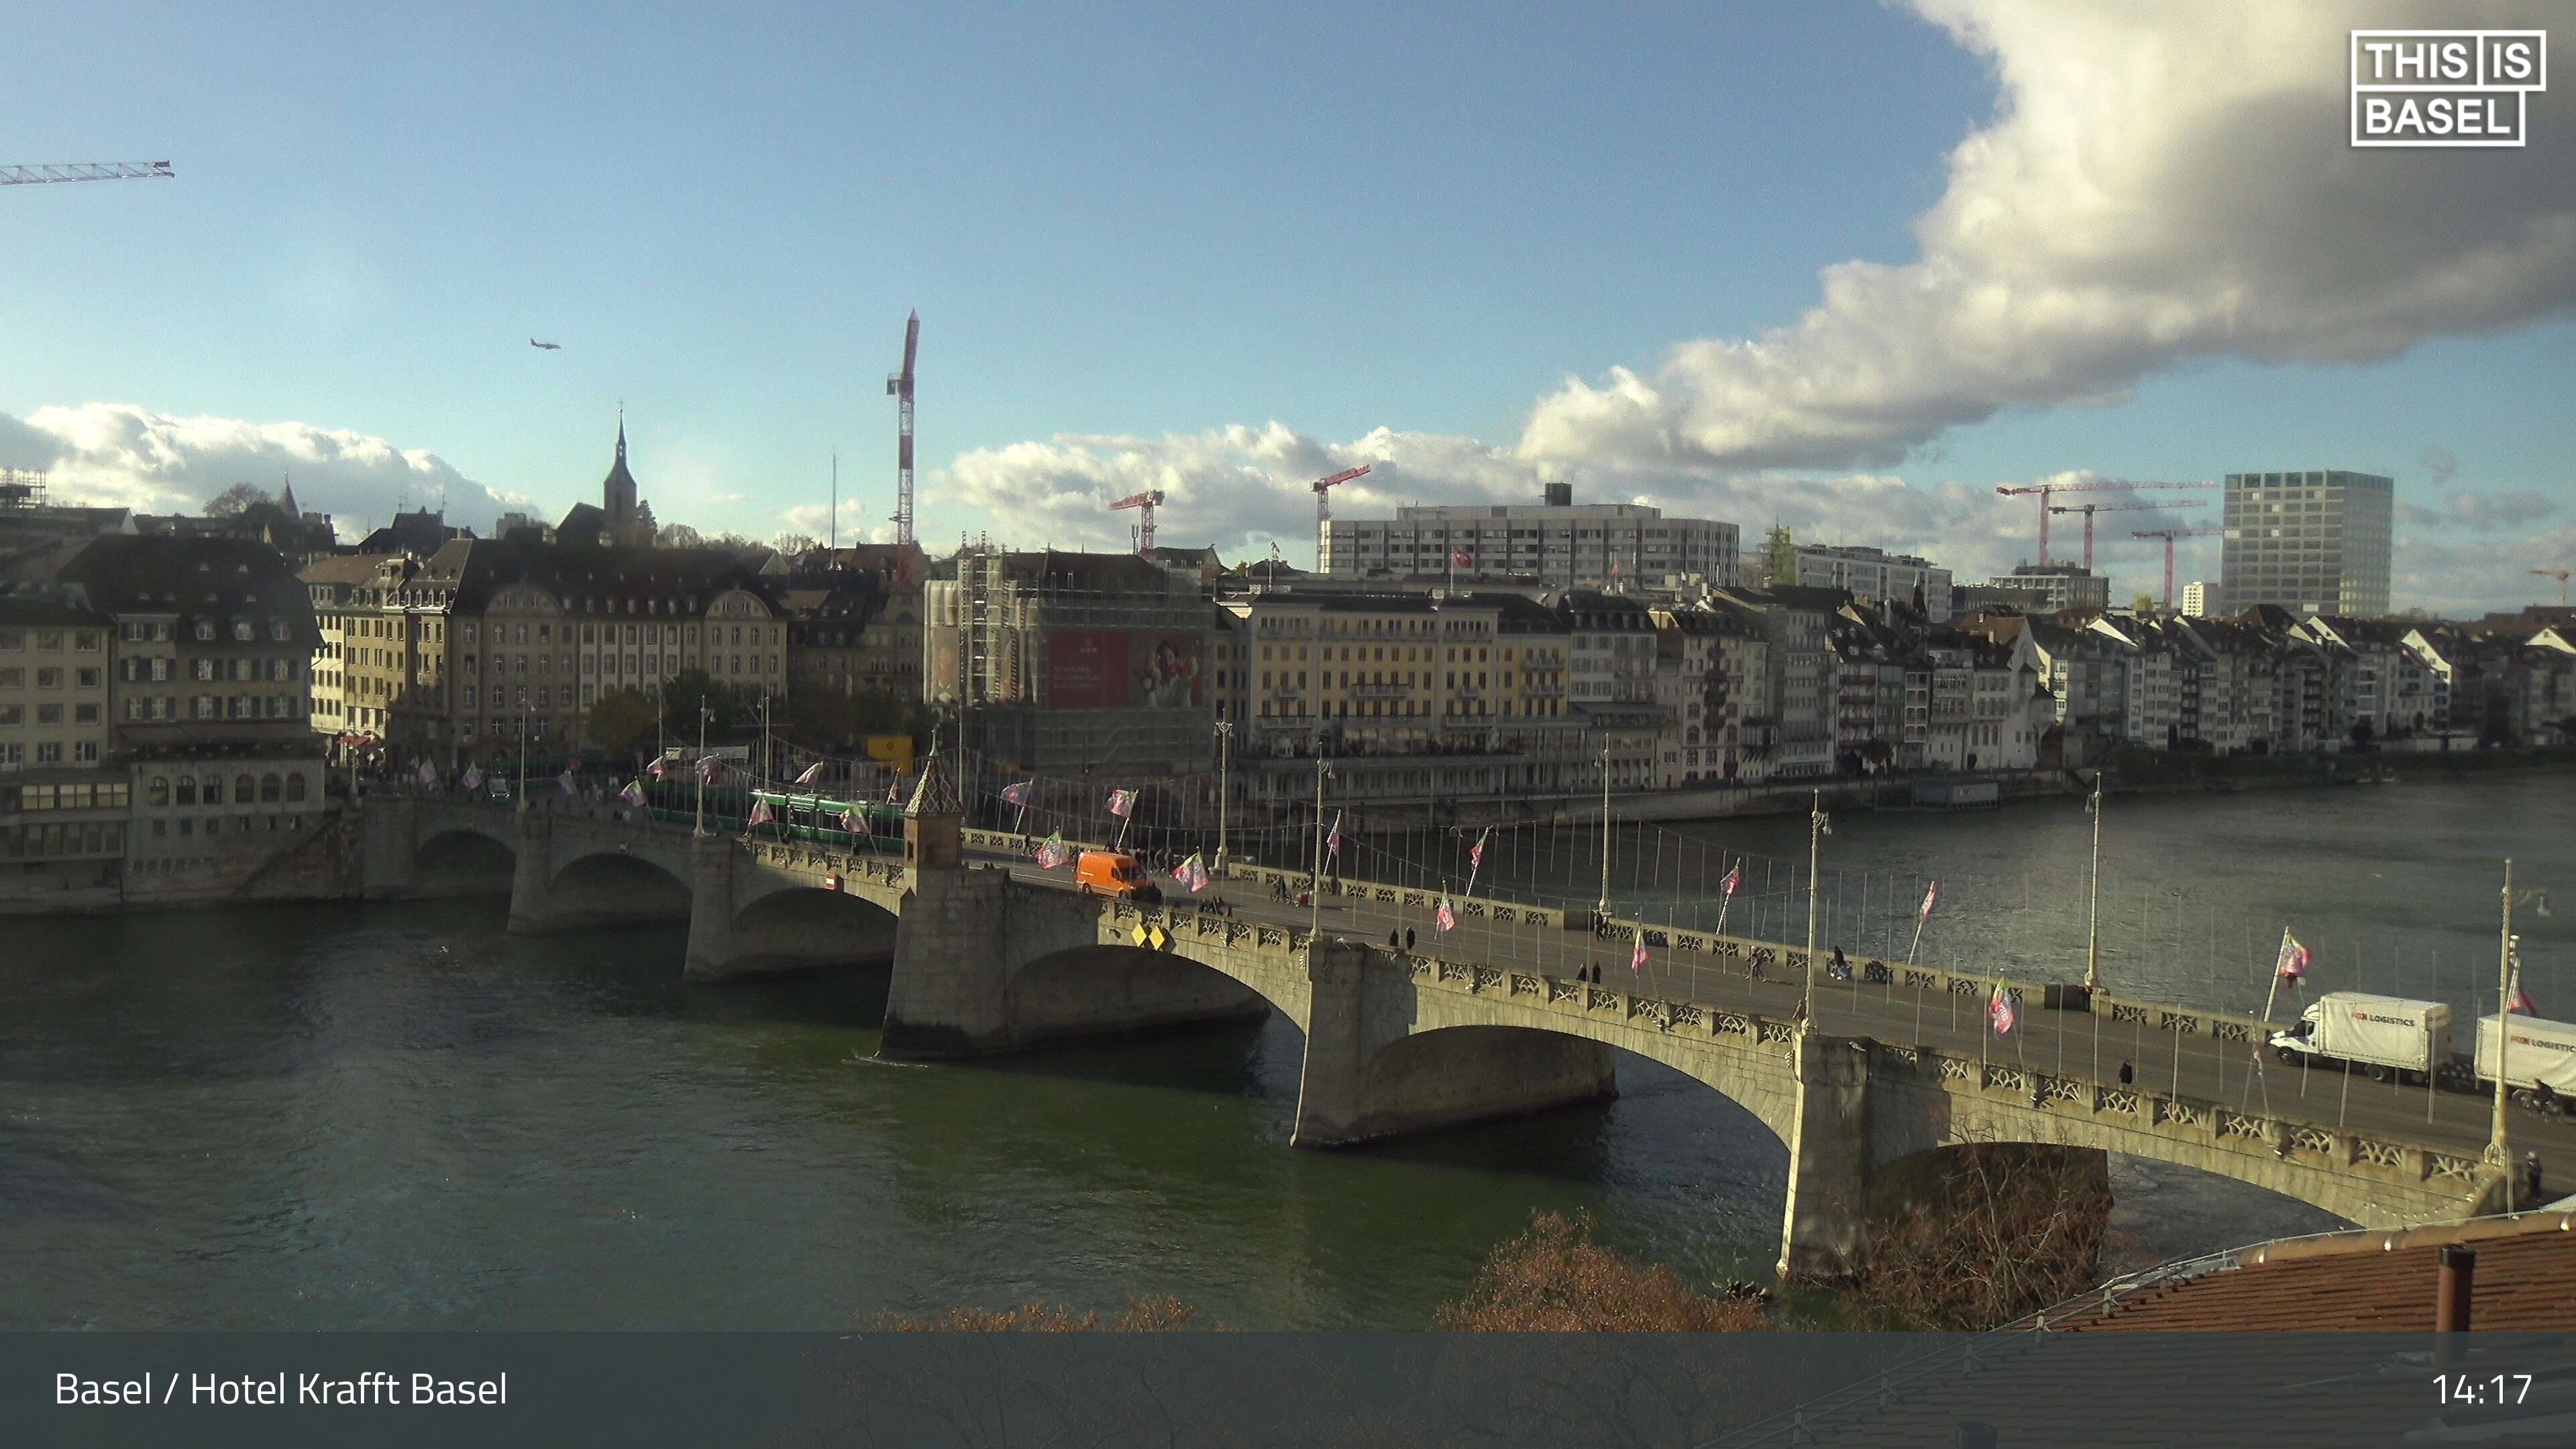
[(2497, 1150), (1224, 739), (1315, 886), (1815, 854), (1604, 908), (2093, 928), (2274, 994)]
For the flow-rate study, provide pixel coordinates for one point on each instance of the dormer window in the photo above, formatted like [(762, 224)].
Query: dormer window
[(205, 628), (241, 629)]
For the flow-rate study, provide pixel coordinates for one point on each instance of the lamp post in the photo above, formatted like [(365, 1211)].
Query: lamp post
[(1315, 887), (1818, 827), (1224, 750), (704, 710), (1602, 910), (2093, 913)]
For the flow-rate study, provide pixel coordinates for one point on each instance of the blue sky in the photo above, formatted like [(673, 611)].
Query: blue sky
[(1159, 224)]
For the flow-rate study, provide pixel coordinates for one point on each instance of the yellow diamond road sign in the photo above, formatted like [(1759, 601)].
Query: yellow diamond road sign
[(1138, 935), (1160, 939)]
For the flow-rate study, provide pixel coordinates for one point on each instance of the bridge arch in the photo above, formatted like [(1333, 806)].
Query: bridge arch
[(1101, 988), (608, 888), (808, 926), (464, 861)]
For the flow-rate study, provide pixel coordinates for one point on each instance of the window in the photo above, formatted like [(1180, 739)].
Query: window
[(270, 788), (187, 789), (49, 714), (243, 785), (277, 630), (295, 787)]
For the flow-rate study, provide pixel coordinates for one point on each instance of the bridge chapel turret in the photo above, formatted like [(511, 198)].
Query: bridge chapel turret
[(934, 823)]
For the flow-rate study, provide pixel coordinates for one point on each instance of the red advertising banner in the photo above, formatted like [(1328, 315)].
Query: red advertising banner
[(1122, 669), (1086, 669)]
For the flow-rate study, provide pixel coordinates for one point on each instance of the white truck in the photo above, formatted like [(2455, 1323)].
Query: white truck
[(2387, 1036), (2539, 1054)]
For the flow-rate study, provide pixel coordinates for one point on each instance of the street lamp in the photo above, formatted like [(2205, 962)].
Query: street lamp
[(1818, 827), (1315, 887), (2093, 928), (705, 709), (1224, 749), (1602, 911)]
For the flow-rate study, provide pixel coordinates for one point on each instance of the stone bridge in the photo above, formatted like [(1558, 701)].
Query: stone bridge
[(987, 958)]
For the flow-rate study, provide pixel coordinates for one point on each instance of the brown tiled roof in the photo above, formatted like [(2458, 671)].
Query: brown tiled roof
[(2376, 1281)]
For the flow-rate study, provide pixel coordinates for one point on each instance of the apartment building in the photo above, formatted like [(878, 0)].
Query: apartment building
[(2315, 542), (1557, 544)]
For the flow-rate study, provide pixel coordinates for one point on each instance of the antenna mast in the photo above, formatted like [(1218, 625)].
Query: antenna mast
[(899, 387)]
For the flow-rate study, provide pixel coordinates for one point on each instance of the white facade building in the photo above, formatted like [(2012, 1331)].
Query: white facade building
[(1560, 543), (1878, 575)]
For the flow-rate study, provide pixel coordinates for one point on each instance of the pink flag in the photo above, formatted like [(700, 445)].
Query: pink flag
[(1051, 852), (565, 780), (1333, 842), (857, 820), (1016, 794), (1462, 558), (1122, 803), (1637, 955), (633, 794), (1445, 918), (1999, 1010), (2521, 1002), (1476, 853), (2293, 961), (656, 769), (760, 813), (1734, 879), (1931, 898), (812, 773)]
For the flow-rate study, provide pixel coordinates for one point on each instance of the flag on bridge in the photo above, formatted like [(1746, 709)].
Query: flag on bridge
[(1333, 842), (1637, 953), (2294, 960), (655, 769), (1931, 898), (473, 777), (1445, 918), (633, 794), (428, 776), (1017, 794), (1734, 881), (1476, 852), (1192, 873), (760, 813), (1122, 803), (2521, 1002), (1999, 1010), (706, 769), (856, 818), (1462, 558), (1051, 851), (565, 780), (813, 772)]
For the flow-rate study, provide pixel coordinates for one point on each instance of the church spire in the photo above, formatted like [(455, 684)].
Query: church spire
[(621, 432), (286, 497)]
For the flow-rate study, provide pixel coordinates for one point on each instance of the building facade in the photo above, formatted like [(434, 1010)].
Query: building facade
[(1557, 544), (1874, 574), (2310, 543)]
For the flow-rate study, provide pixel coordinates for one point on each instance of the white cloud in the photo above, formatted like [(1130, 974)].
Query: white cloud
[(152, 462), (2162, 183)]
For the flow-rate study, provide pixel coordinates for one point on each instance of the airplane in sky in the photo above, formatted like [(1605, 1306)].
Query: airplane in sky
[(548, 346)]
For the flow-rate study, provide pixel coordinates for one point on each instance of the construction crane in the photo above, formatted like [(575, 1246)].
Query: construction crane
[(2561, 576), (1146, 501), (1323, 510), (2169, 535), (84, 171), (2044, 490), (2089, 509), (899, 387)]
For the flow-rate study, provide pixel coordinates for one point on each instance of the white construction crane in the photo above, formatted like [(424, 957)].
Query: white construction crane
[(84, 171)]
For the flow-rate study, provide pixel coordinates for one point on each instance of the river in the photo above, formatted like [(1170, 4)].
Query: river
[(398, 1116)]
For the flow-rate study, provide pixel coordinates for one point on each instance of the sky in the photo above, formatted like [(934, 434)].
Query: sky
[(1848, 267)]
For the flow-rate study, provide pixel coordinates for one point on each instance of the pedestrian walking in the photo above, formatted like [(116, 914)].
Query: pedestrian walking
[(1408, 938), (1394, 940)]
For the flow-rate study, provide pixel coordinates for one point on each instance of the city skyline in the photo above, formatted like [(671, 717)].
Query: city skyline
[(1126, 309)]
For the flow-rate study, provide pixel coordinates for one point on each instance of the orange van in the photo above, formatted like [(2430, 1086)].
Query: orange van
[(1114, 873)]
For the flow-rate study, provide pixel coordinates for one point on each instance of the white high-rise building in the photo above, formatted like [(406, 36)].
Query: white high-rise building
[(2312, 543), (2195, 599), (1876, 574), (1559, 543)]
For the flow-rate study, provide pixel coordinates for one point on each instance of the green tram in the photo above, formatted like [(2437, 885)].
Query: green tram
[(818, 819)]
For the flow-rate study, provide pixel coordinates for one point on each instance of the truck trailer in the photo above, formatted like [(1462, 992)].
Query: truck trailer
[(2539, 1060), (2386, 1036)]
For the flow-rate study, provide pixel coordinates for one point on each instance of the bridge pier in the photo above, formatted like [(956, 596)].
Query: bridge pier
[(711, 953), (389, 863), (1824, 1222), (1366, 1076), (532, 877), (949, 995)]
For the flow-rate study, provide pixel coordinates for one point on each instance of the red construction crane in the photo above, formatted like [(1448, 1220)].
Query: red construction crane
[(2169, 535), (1147, 501), (899, 387), (2089, 509), (84, 171), (2107, 485), (1323, 512), (2561, 576)]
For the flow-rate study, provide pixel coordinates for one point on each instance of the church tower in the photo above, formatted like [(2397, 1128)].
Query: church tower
[(617, 490)]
